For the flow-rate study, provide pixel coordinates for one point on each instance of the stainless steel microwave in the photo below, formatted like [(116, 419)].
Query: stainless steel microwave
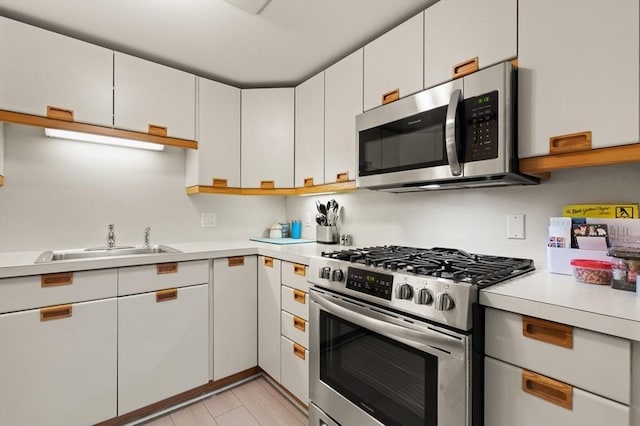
[(460, 134)]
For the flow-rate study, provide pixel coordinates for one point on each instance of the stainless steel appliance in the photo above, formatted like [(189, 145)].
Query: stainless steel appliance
[(396, 335), (460, 134)]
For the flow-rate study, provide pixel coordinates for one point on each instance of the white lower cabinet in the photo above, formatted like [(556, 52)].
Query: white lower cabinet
[(295, 368), (163, 345), (235, 322), (58, 364), (269, 315)]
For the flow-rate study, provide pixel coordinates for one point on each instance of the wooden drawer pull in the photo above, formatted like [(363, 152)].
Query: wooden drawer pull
[(548, 389), (268, 262), (166, 295), (299, 323), (55, 312), (59, 113), (299, 269), (466, 67), (574, 142), (299, 296), (235, 261), (53, 280), (299, 351), (167, 268), (156, 130), (391, 96), (548, 331), (267, 184), (308, 181), (220, 183), (342, 177)]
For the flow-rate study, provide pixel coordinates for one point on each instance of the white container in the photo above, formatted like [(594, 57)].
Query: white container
[(275, 231), (559, 259)]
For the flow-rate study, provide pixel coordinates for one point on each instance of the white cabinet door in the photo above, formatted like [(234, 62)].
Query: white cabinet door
[(218, 136), (146, 93), (269, 315), (309, 141), (578, 71), (235, 322), (394, 61), (267, 137), (343, 101), (457, 31), (60, 371), (295, 369), (163, 345), (40, 68)]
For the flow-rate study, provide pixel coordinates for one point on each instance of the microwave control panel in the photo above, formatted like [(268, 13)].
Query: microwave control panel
[(482, 127), (370, 282)]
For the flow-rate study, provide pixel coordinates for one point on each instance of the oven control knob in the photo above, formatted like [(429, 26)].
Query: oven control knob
[(423, 297), (337, 275), (325, 273), (444, 302), (404, 291)]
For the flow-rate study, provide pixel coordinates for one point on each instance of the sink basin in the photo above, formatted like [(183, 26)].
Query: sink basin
[(52, 256)]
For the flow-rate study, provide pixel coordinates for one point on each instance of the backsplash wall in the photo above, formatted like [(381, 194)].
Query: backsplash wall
[(63, 194), (473, 220)]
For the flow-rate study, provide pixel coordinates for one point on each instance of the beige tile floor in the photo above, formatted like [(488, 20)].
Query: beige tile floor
[(252, 403)]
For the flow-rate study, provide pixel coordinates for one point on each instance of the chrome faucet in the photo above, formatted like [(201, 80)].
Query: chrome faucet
[(147, 231), (111, 238)]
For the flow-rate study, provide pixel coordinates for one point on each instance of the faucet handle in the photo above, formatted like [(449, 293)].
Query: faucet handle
[(147, 232)]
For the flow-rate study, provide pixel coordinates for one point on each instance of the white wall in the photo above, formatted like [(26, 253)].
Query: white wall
[(473, 220), (63, 194)]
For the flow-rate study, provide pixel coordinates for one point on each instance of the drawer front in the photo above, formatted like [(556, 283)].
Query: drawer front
[(295, 302), (591, 361), (295, 328), (294, 275), (54, 289), (141, 279), (295, 369), (508, 404)]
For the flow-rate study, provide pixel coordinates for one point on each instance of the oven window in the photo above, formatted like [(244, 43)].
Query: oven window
[(394, 383)]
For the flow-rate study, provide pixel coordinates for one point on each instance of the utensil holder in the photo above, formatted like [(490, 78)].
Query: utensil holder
[(327, 234)]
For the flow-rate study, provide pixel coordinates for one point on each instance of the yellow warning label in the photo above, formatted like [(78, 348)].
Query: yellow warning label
[(604, 211)]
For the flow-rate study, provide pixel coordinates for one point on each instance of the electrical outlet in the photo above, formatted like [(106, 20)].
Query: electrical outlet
[(307, 220), (515, 226), (208, 220)]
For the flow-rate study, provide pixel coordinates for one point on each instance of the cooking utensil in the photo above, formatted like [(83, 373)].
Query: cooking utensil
[(321, 219), (322, 209)]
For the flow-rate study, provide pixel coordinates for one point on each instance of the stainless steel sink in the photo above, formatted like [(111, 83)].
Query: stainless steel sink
[(52, 256)]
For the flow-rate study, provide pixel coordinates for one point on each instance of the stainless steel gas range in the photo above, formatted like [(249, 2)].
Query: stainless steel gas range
[(397, 335)]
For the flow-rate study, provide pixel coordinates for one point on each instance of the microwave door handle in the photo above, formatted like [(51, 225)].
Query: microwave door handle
[(450, 133)]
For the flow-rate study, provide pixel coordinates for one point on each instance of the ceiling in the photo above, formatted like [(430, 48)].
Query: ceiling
[(284, 44)]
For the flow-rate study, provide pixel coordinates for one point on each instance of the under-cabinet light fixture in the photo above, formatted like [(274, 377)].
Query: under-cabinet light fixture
[(107, 140)]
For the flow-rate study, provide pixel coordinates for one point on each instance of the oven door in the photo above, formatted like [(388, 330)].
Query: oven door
[(370, 367)]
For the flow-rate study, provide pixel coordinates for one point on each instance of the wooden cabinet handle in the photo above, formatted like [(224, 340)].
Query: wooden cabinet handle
[(167, 268), (166, 295), (59, 113), (268, 262), (298, 351), (235, 261), (548, 389), (53, 280), (466, 67), (299, 323), (573, 142), (55, 312), (548, 331), (391, 96), (267, 184), (308, 182), (342, 177), (156, 130), (219, 183), (299, 269), (299, 296)]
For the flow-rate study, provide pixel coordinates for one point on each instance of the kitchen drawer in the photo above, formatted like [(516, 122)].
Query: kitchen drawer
[(595, 362), (295, 328), (54, 289), (294, 369), (546, 402), (295, 302), (294, 275), (141, 279)]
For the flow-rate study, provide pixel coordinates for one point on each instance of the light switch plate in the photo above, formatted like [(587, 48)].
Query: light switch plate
[(515, 226), (208, 220), (307, 220)]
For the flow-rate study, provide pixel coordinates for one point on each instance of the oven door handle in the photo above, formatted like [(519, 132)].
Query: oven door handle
[(425, 339), (450, 133)]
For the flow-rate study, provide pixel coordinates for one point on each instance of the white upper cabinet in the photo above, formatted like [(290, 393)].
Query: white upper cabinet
[(267, 138), (218, 136), (150, 96), (41, 69), (578, 72), (457, 32), (343, 101), (309, 132), (394, 61)]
